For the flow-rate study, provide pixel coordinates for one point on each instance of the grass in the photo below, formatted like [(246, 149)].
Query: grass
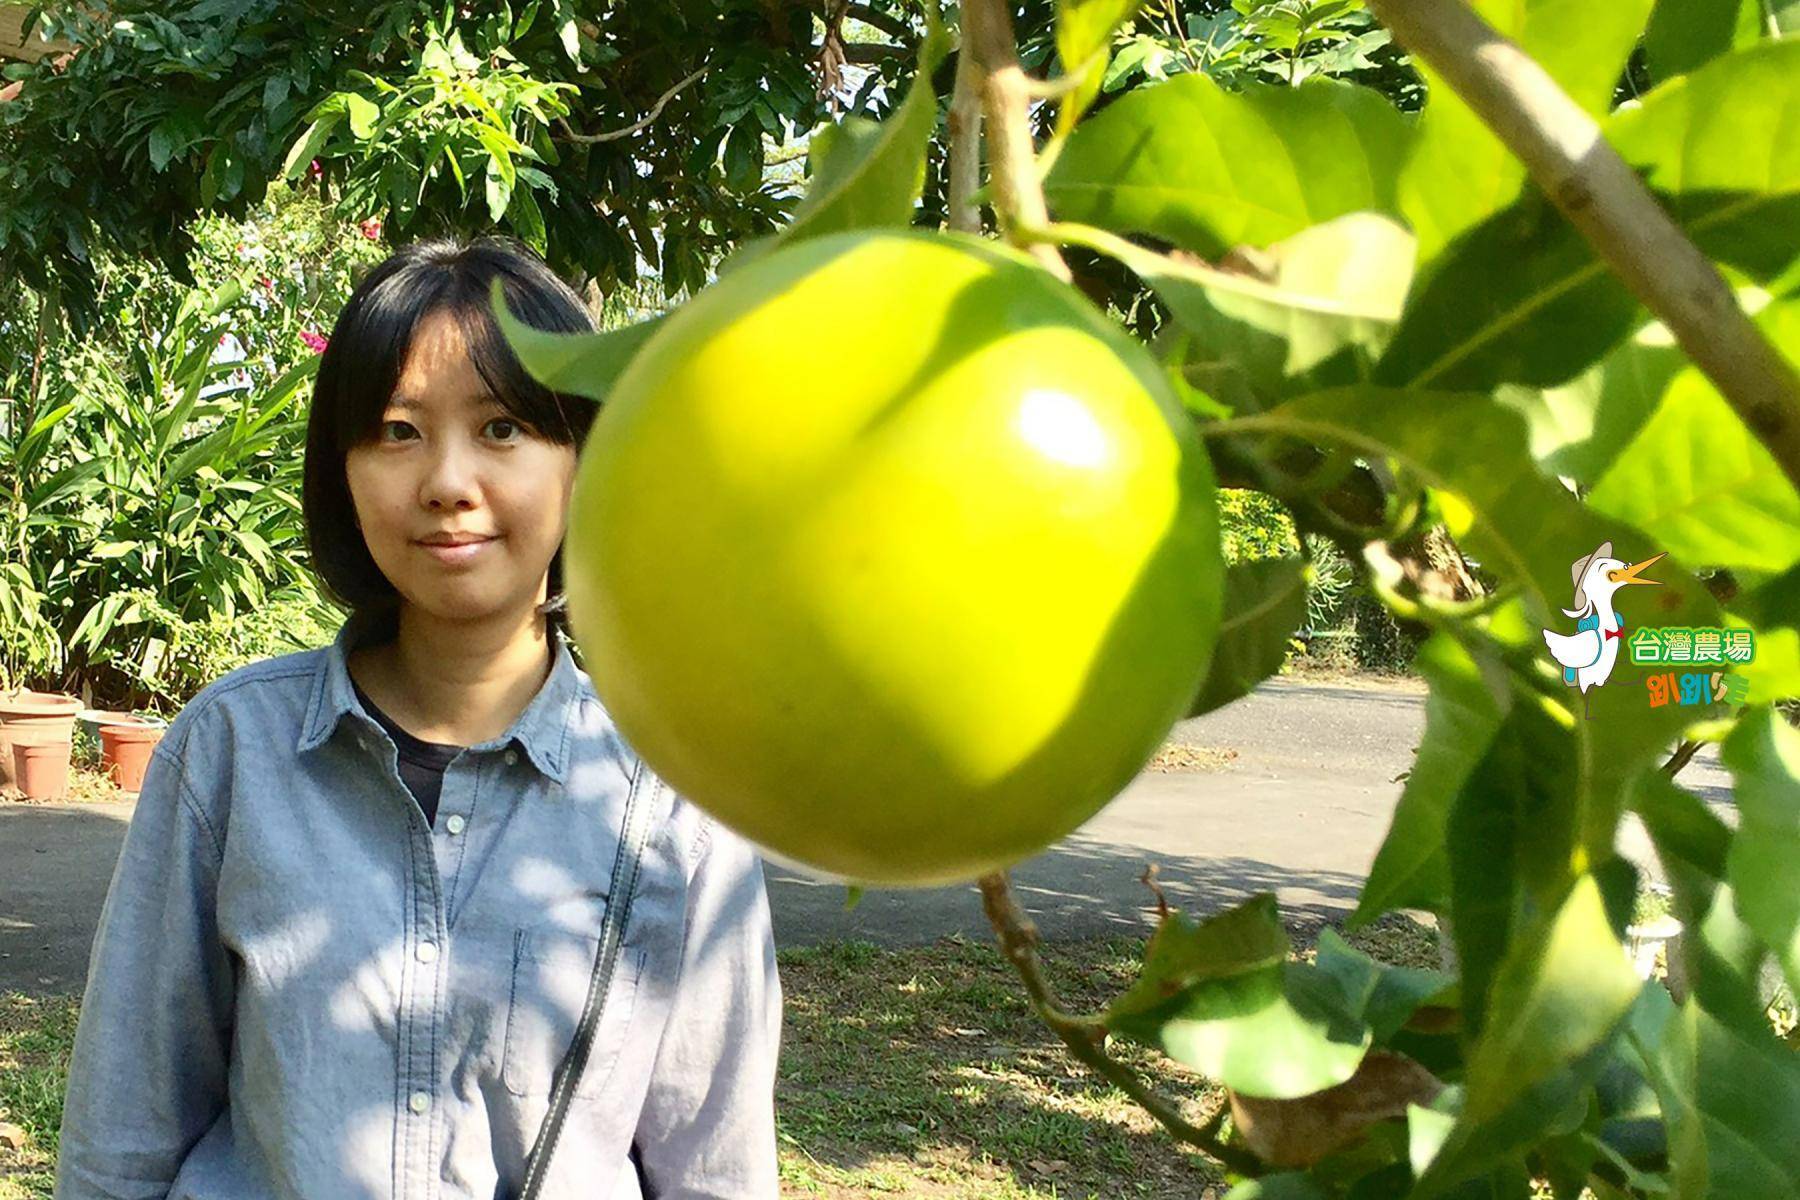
[(918, 1072)]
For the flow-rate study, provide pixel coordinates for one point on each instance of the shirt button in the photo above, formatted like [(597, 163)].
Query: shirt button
[(512, 758), (455, 824), (419, 1102), (427, 952)]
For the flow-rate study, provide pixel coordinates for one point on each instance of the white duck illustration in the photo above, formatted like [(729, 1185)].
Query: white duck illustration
[(1587, 656)]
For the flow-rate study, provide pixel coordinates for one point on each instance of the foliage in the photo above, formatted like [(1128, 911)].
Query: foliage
[(1393, 349), (425, 116), (156, 505)]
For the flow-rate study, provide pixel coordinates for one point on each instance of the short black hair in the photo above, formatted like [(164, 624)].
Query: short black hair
[(361, 367)]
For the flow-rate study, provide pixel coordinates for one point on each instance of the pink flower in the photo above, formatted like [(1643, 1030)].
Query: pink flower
[(314, 341), (266, 284), (371, 229), (315, 170)]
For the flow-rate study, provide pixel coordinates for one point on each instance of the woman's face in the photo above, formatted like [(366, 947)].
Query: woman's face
[(448, 464)]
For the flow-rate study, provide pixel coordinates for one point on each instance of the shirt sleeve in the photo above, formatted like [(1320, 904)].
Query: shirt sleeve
[(707, 1130), (147, 1075)]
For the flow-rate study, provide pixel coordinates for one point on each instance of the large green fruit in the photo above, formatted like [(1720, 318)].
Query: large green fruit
[(895, 556)]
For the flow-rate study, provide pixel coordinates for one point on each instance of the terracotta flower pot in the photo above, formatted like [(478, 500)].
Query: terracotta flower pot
[(49, 712), (125, 749), (41, 765)]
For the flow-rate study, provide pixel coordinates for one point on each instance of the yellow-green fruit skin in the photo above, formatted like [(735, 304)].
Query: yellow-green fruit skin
[(896, 557)]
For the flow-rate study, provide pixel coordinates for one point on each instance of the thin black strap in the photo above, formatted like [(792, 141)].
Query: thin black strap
[(639, 808)]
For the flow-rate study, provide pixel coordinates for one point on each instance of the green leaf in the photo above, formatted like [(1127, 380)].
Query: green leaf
[(1525, 529), (1763, 753), (1265, 601), (1732, 1101), (1207, 169), (1560, 991), (1274, 1033), (866, 175), (1180, 954), (1460, 172), (1721, 955), (1578, 429), (363, 115), (1380, 996), (307, 147), (1084, 30), (579, 364), (1685, 34), (744, 158), (1511, 836), (527, 220), (1462, 714), (1331, 296), (1289, 1185), (1705, 487), (1522, 299)]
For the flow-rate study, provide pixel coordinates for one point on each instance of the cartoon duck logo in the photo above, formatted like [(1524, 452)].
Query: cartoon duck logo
[(1587, 656)]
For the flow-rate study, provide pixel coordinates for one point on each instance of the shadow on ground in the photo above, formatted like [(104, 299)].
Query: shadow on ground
[(1080, 888)]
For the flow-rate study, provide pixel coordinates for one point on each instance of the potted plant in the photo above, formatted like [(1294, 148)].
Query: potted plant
[(38, 719), (126, 743)]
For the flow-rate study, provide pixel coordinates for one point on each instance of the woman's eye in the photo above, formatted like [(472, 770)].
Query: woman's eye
[(396, 431), (505, 429)]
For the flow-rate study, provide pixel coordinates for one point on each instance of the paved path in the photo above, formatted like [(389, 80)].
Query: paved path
[(1301, 811)]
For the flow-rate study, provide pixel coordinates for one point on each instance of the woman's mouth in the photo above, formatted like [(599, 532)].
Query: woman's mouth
[(459, 554)]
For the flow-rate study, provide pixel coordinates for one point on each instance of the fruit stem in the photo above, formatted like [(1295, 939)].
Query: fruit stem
[(1086, 1036), (1018, 197)]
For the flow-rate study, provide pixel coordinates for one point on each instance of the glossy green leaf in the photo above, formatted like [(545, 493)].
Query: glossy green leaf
[(1460, 173), (1382, 997), (1511, 835), (1321, 315), (1578, 429), (1721, 955), (1273, 1033), (580, 364), (1763, 753), (1732, 1101), (1207, 169), (1772, 609), (1084, 30), (1520, 298), (1462, 714), (1527, 530), (1265, 601), (1181, 953), (1560, 991), (1685, 34), (1289, 1185), (866, 175), (1703, 485), (1219, 996)]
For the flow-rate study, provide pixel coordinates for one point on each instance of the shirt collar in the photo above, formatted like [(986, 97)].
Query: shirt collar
[(541, 730)]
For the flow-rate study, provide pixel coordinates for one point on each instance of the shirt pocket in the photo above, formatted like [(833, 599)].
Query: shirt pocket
[(552, 969)]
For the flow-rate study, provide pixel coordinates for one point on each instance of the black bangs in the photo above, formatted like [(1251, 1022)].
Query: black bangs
[(368, 349)]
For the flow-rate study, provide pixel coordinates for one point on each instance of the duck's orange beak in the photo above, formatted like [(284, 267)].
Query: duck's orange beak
[(1630, 574)]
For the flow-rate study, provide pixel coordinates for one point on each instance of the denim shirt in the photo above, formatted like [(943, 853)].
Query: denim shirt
[(299, 989)]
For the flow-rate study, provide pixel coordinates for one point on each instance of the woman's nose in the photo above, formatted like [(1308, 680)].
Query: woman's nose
[(451, 481)]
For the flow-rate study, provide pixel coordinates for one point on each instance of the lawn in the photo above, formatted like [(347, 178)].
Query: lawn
[(916, 1072)]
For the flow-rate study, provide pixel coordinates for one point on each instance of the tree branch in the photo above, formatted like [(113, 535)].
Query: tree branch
[(1569, 158), (964, 121), (613, 135), (1086, 1036), (873, 17), (1006, 95), (865, 54)]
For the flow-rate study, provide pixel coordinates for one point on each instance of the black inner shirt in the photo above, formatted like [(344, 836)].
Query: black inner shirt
[(421, 763)]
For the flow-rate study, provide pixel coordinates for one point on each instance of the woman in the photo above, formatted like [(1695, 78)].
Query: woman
[(352, 931)]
